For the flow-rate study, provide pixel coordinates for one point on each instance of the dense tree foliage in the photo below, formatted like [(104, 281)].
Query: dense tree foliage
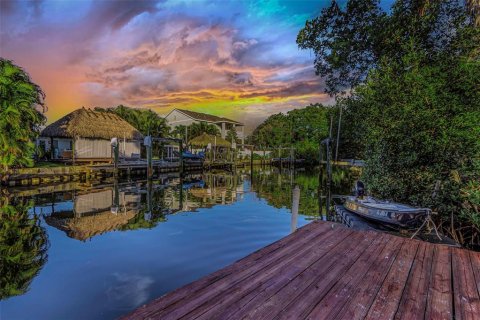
[(414, 110), (146, 121), (21, 107), (301, 129), (348, 42)]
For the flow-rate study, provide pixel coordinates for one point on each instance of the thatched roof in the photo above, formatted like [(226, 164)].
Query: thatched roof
[(204, 139), (86, 123), (87, 227), (206, 117)]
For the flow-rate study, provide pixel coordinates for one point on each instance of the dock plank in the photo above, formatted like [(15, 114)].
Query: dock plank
[(440, 304), (466, 298), (388, 297), (328, 268), (414, 297), (354, 300), (326, 271), (241, 296), (271, 252)]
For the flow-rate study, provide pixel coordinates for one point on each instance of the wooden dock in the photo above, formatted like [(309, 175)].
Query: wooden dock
[(327, 271)]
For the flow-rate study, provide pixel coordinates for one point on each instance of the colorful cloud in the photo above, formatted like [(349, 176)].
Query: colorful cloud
[(231, 58)]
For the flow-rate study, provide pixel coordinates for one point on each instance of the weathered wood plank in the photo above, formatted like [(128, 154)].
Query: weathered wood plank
[(211, 289), (322, 272), (352, 300), (414, 297), (297, 299), (466, 298), (233, 299), (267, 287), (439, 304), (475, 259), (388, 297)]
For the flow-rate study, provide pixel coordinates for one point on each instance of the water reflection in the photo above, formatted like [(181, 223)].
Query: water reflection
[(23, 247), (127, 242)]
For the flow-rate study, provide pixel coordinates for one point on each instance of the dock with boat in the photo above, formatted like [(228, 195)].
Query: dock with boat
[(324, 271)]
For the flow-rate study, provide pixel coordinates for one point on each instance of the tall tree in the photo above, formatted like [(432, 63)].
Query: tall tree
[(350, 41), (21, 115), (146, 121), (413, 75), (301, 129)]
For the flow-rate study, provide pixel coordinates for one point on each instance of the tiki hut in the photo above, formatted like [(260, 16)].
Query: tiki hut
[(214, 147), (85, 134), (204, 140)]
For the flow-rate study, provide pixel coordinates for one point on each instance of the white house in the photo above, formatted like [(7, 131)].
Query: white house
[(179, 117)]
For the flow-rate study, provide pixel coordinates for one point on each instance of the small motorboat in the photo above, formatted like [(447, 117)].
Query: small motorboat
[(384, 211)]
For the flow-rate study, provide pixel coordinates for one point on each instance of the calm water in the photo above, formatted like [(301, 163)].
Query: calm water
[(97, 252)]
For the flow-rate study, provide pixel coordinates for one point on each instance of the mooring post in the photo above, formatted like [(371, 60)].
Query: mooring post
[(251, 161), (320, 182), (329, 177), (295, 205)]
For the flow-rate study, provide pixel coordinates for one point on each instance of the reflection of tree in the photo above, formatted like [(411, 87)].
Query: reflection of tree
[(23, 248), (277, 188), (152, 212)]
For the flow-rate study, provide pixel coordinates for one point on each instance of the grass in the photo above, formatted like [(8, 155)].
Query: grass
[(47, 164)]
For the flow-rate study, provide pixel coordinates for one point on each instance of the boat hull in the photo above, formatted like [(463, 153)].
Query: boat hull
[(385, 212)]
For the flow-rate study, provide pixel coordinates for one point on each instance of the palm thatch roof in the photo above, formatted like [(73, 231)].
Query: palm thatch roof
[(86, 123), (204, 139)]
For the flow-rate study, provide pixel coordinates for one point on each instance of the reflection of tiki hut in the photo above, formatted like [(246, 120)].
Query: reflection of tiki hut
[(86, 134), (92, 214), (216, 147), (87, 227), (214, 195)]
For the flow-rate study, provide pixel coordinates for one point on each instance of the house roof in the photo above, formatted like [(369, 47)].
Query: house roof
[(87, 123), (204, 139), (206, 117)]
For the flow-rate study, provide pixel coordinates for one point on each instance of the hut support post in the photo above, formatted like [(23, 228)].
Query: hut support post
[(52, 151), (73, 150), (149, 162), (181, 157), (115, 157)]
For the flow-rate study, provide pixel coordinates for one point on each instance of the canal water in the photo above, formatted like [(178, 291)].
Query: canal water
[(78, 251)]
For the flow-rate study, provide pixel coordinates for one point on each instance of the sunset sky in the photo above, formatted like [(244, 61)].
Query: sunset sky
[(237, 59)]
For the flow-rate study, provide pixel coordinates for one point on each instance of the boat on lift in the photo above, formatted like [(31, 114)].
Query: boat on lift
[(382, 211)]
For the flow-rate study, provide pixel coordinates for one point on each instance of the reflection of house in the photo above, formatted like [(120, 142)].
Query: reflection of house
[(179, 117), (87, 134), (95, 213)]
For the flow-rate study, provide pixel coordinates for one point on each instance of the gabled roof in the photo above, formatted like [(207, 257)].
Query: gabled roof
[(205, 117), (87, 123)]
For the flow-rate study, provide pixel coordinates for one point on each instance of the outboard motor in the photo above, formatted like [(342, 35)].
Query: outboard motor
[(359, 189)]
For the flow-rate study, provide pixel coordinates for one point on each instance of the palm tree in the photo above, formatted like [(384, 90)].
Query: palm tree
[(21, 114)]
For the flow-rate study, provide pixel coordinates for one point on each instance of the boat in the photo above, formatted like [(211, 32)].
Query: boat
[(383, 211)]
